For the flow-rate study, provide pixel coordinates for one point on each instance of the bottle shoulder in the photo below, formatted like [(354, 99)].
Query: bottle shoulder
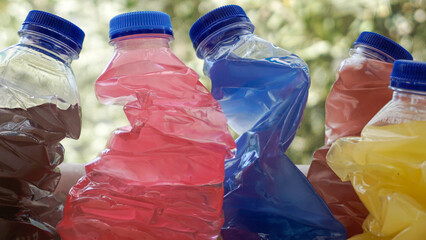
[(29, 77), (144, 60), (252, 49), (249, 46), (130, 72), (27, 57)]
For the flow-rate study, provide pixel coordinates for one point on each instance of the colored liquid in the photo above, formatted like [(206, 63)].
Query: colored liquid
[(161, 177), (387, 169), (360, 91), (266, 196), (30, 153)]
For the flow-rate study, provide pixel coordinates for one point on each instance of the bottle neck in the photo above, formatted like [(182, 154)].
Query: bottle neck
[(142, 41), (48, 46), (371, 53), (409, 96), (405, 106), (227, 35)]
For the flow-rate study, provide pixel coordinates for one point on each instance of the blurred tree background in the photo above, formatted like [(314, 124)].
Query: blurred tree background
[(320, 31)]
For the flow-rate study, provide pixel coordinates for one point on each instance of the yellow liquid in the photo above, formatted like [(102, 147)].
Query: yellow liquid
[(387, 168)]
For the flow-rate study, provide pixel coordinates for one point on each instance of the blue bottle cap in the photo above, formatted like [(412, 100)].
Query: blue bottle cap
[(55, 27), (383, 44), (216, 19), (140, 22), (410, 75)]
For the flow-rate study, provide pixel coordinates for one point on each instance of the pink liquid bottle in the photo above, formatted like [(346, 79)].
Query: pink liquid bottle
[(161, 177)]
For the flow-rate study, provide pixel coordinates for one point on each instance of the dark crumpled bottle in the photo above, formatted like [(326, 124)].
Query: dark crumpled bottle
[(39, 106)]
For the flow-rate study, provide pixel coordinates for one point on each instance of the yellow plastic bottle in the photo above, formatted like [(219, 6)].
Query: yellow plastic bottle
[(387, 164)]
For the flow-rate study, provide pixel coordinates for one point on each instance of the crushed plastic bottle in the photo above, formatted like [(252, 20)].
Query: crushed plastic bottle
[(386, 165), (161, 177), (359, 92), (39, 106), (263, 91)]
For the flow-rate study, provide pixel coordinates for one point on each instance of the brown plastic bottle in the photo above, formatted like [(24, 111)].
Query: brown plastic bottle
[(359, 92)]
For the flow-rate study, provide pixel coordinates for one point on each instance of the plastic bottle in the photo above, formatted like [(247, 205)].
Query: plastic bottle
[(39, 106), (386, 165), (263, 91), (359, 92), (161, 177)]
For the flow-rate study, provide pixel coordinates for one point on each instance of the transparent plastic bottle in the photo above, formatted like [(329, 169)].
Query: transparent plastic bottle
[(162, 176), (39, 106), (386, 165), (360, 91), (263, 91)]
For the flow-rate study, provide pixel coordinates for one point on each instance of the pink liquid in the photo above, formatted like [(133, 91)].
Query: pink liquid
[(161, 177)]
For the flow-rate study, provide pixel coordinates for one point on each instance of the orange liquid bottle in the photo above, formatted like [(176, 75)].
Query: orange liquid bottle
[(359, 92)]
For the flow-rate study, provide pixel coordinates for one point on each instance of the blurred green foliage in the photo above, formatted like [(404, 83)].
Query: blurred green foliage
[(320, 31)]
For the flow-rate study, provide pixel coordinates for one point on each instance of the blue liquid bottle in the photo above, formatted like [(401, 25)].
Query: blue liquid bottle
[(263, 91)]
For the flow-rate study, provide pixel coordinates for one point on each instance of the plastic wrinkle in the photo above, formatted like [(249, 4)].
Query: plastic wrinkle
[(266, 196), (161, 177), (386, 166), (31, 152)]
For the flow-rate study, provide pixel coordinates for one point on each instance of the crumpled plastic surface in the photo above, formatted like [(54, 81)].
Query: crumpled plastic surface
[(266, 196), (161, 177), (361, 90), (39, 106), (387, 167)]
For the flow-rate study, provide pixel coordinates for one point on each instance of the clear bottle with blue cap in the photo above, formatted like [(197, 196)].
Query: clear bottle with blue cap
[(386, 164), (161, 177), (39, 106), (263, 91), (408, 103)]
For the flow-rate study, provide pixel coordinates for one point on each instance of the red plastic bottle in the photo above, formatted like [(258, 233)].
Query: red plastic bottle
[(161, 177)]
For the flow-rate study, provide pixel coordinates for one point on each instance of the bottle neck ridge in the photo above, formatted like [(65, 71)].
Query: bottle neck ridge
[(48, 45), (140, 41), (227, 34), (404, 95), (371, 53)]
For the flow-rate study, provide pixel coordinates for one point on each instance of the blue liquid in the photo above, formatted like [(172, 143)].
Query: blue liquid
[(266, 196)]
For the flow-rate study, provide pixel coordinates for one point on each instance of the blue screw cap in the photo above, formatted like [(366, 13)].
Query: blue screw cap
[(140, 22), (383, 44), (215, 20), (55, 27), (410, 75)]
